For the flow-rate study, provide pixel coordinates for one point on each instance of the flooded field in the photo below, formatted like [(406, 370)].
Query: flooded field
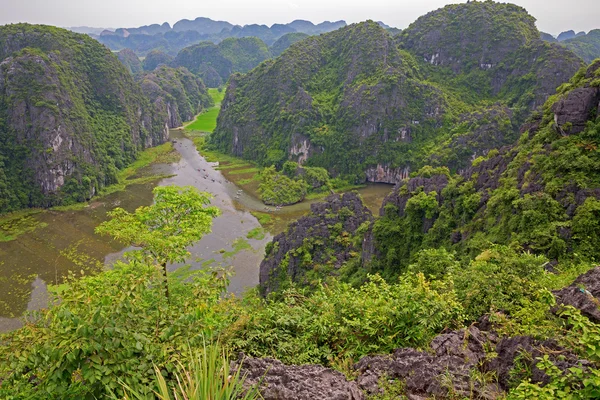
[(61, 242)]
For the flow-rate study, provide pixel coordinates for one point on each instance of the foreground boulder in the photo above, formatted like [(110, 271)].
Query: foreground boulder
[(583, 294), (525, 350), (290, 382), (426, 375)]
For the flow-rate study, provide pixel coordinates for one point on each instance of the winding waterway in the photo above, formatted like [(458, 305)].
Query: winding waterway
[(64, 241)]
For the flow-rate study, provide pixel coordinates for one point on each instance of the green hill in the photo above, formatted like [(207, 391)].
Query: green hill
[(286, 41), (176, 93), (372, 107), (585, 46), (215, 63), (70, 117)]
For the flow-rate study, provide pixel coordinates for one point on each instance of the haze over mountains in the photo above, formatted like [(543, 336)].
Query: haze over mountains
[(186, 32)]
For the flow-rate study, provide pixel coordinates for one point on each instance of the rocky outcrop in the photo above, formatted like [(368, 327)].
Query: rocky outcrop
[(583, 294), (374, 114), (277, 381), (431, 375), (447, 371), (386, 174), (365, 120), (400, 196), (527, 351), (572, 111), (502, 40), (322, 237)]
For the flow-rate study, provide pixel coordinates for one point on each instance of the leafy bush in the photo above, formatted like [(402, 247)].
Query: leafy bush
[(499, 278), (576, 383), (110, 328), (433, 263), (338, 321), (278, 189)]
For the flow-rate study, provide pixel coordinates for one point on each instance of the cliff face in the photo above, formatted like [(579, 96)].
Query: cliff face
[(177, 94), (454, 85), (70, 117), (495, 45)]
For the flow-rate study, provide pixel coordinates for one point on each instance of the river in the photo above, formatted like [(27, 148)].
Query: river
[(64, 241)]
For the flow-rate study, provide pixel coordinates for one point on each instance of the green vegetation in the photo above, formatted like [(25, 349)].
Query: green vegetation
[(239, 244), (164, 230), (339, 322), (155, 58), (256, 233), (176, 93), (130, 60), (17, 223), (586, 47), (56, 73), (488, 244), (207, 121), (214, 63), (458, 82), (286, 41), (523, 197), (278, 189), (207, 377)]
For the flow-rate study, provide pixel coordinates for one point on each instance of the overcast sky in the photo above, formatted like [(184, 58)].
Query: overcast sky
[(554, 16)]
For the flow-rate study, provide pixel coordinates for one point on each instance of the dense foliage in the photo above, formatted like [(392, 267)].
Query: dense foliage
[(86, 118), (538, 195), (215, 63), (456, 84), (277, 189), (111, 328), (176, 94), (292, 183)]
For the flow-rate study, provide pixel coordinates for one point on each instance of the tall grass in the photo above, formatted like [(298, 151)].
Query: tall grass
[(207, 377)]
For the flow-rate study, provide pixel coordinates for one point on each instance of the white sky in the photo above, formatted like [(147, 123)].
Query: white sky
[(554, 16)]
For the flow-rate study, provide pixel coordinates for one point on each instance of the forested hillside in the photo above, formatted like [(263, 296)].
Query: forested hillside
[(371, 107), (176, 94), (215, 63), (70, 117)]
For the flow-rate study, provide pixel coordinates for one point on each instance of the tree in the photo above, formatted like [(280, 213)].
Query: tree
[(179, 217)]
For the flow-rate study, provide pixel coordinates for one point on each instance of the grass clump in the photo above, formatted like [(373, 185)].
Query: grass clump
[(256, 233), (208, 376)]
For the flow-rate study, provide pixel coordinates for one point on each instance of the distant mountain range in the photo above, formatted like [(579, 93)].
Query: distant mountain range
[(171, 40), (585, 45)]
